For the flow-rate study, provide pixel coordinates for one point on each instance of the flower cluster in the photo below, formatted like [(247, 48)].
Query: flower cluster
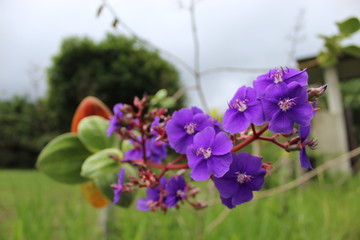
[(278, 101)]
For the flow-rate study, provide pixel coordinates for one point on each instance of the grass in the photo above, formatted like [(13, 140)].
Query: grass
[(33, 206)]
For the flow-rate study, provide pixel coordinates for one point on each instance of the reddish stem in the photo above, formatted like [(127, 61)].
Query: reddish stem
[(273, 140), (250, 139)]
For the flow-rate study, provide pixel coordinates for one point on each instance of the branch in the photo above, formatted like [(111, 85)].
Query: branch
[(233, 69), (197, 74)]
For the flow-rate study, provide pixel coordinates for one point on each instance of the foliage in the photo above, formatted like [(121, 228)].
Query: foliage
[(334, 47), (23, 132), (115, 69)]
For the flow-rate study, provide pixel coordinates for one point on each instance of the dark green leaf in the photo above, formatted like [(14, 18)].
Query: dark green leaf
[(349, 26), (62, 159), (352, 50)]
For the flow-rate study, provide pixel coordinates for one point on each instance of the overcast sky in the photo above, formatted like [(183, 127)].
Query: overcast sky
[(236, 33)]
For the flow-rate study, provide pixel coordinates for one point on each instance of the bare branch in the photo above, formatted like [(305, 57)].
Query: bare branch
[(233, 69)]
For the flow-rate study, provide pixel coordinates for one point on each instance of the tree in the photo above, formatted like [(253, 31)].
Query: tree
[(115, 70)]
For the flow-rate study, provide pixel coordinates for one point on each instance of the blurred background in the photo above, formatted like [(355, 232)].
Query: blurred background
[(55, 53)]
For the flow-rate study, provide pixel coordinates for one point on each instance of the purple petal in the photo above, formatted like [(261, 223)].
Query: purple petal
[(243, 194), (240, 94), (219, 165), (153, 193), (227, 202), (142, 204), (222, 144), (304, 132), (235, 121), (226, 186), (193, 158), (202, 121), (304, 159), (196, 110), (117, 195), (181, 144), (276, 90), (200, 172), (205, 138), (258, 181), (281, 123), (171, 201), (255, 114), (261, 84), (121, 176), (300, 77), (183, 115), (301, 114), (298, 92), (270, 107)]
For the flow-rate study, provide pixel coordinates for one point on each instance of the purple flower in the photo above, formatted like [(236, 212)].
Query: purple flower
[(155, 151), (244, 176), (154, 124), (183, 126), (151, 202), (119, 186), (175, 191), (279, 77), (115, 121), (285, 106), (244, 108), (304, 132), (210, 154)]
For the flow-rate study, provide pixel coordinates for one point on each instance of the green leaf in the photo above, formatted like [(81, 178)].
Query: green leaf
[(349, 26), (104, 184), (92, 133), (352, 50), (62, 158), (101, 163)]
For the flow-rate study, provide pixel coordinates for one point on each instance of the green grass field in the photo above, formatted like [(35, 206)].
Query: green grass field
[(33, 206)]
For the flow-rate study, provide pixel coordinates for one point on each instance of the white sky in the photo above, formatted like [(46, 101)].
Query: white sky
[(237, 33)]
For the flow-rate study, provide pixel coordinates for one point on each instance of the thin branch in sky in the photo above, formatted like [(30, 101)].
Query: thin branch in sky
[(295, 38)]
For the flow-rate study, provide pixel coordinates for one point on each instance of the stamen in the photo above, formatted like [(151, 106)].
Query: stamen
[(190, 128), (240, 105), (205, 152), (286, 103), (243, 178)]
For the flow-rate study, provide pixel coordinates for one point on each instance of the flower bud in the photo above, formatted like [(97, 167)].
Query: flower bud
[(315, 93)]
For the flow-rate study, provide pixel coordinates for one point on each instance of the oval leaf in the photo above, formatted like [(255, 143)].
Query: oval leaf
[(349, 26), (92, 133), (101, 163), (62, 159)]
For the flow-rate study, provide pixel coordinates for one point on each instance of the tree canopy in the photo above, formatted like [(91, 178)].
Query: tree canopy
[(115, 70)]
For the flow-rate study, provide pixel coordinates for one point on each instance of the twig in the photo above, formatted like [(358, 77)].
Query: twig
[(233, 69), (197, 74)]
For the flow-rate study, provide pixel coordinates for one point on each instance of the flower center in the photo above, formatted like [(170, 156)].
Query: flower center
[(205, 152), (286, 103), (277, 75), (190, 128), (240, 105), (181, 194), (243, 178)]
